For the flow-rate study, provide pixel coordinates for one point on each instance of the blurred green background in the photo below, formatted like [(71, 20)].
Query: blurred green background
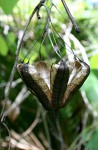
[(31, 127)]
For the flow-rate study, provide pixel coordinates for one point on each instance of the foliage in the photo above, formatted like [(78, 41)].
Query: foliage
[(79, 119)]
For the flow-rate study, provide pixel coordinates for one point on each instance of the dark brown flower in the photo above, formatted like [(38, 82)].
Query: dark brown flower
[(54, 85)]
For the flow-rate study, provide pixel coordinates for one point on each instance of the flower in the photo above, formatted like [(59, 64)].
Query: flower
[(54, 85)]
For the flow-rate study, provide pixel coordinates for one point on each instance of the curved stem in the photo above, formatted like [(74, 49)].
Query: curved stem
[(59, 132), (70, 16), (46, 129), (8, 86)]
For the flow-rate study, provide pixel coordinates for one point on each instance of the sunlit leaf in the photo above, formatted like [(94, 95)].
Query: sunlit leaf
[(91, 88), (8, 5), (94, 62), (11, 37), (3, 46), (93, 142)]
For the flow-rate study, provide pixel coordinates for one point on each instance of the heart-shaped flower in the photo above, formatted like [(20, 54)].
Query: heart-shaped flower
[(54, 85)]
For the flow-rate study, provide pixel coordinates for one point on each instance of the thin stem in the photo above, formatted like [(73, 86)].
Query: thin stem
[(48, 22), (37, 8), (59, 132), (70, 16), (46, 129), (9, 146)]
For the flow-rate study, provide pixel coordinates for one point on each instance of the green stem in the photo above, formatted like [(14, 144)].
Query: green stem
[(59, 132), (46, 129)]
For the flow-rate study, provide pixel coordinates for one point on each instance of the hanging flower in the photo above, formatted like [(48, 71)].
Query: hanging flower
[(54, 85)]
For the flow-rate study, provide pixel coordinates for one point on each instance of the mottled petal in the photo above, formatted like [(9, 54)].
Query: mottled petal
[(81, 73), (44, 71), (75, 68), (36, 83)]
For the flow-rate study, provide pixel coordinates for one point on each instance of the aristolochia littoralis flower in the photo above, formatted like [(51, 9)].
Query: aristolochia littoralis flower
[(54, 85)]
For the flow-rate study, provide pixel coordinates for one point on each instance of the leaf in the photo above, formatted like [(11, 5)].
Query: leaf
[(11, 41), (11, 38), (91, 88), (3, 46), (8, 5), (94, 62), (93, 142)]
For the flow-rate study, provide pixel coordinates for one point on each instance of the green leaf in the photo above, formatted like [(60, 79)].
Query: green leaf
[(91, 88), (94, 62), (93, 142), (11, 38), (3, 46), (8, 5)]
